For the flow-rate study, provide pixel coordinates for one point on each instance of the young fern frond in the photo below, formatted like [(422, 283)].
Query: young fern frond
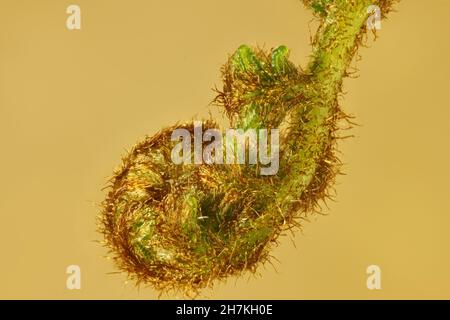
[(184, 226)]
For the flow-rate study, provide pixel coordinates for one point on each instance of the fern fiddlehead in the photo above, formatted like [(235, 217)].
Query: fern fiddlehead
[(184, 226)]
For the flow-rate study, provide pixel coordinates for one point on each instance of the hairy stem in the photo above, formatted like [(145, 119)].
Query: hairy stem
[(308, 145)]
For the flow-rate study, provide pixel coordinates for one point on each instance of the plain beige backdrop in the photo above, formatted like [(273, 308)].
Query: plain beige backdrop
[(71, 102)]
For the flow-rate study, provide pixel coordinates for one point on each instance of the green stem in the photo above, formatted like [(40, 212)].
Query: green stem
[(336, 42), (333, 49)]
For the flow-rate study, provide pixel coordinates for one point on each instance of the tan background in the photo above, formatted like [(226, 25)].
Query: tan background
[(72, 101)]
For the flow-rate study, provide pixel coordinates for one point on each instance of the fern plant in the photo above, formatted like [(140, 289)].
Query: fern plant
[(183, 227)]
